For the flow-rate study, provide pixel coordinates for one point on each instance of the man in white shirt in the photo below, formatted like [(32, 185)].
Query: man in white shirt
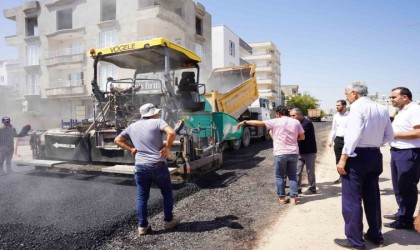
[(360, 165), (337, 131), (405, 158)]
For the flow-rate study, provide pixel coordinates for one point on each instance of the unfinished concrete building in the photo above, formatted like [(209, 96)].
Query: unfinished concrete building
[(53, 71)]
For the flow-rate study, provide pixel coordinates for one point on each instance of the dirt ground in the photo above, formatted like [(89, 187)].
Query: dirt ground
[(317, 220)]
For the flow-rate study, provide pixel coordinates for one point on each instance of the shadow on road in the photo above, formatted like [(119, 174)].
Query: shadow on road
[(228, 221)]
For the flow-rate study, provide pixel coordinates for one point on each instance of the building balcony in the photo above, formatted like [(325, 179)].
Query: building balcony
[(267, 69), (32, 65), (65, 57), (13, 66), (66, 34), (57, 3), (11, 13), (12, 40), (30, 7), (268, 94), (263, 45), (266, 81), (162, 13), (267, 57), (66, 88)]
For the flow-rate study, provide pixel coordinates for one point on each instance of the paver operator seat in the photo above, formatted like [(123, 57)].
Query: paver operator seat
[(189, 94)]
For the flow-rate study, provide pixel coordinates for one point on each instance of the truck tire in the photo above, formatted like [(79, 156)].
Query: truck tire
[(246, 137), (235, 144), (266, 135)]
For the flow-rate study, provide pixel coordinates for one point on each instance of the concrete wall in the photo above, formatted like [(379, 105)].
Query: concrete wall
[(135, 20)]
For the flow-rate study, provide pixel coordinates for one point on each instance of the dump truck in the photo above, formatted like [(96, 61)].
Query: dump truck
[(163, 73), (315, 114), (234, 90)]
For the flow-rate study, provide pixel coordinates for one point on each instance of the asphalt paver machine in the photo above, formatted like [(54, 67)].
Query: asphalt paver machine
[(164, 74)]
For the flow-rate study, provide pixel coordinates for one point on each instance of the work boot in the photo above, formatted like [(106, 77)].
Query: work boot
[(173, 223), (145, 230)]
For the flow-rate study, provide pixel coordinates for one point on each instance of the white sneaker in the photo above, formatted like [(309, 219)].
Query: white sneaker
[(173, 223), (145, 230)]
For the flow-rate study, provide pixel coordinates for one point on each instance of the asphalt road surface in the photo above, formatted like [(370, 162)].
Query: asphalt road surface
[(53, 210), (225, 209)]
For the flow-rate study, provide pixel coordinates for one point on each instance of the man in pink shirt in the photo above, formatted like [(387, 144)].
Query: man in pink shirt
[(285, 132)]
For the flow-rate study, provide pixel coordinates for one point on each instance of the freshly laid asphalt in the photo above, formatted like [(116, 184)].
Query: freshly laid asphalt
[(63, 210)]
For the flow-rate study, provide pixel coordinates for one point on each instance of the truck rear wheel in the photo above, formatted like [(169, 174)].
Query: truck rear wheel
[(246, 137), (235, 144), (266, 135)]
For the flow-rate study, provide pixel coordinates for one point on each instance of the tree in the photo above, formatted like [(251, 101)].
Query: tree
[(304, 102)]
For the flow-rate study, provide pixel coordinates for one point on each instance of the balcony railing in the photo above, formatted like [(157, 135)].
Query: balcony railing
[(65, 84), (65, 56), (66, 88), (66, 52)]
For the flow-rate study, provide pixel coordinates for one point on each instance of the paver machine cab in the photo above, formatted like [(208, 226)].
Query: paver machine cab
[(164, 74)]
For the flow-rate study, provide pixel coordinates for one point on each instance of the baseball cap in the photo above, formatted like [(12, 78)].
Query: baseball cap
[(5, 119), (148, 110)]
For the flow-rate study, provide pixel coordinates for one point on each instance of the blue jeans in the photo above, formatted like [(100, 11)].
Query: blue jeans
[(285, 166), (145, 176)]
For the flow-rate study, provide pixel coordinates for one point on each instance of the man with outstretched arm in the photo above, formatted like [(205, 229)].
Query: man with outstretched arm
[(285, 133)]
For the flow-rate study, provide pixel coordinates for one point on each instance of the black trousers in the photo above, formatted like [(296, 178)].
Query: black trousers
[(361, 183), (338, 148), (405, 172)]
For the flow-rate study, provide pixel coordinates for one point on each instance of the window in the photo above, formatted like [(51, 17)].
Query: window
[(64, 19), (108, 10), (76, 79), (106, 71), (199, 50), (198, 26), (76, 48), (32, 55), (32, 84), (231, 48), (108, 38), (31, 26)]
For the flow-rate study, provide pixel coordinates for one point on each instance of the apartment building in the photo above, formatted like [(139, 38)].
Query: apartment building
[(229, 49), (53, 71), (266, 57), (289, 90)]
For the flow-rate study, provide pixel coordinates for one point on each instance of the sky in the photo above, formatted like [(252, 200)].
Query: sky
[(324, 44)]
